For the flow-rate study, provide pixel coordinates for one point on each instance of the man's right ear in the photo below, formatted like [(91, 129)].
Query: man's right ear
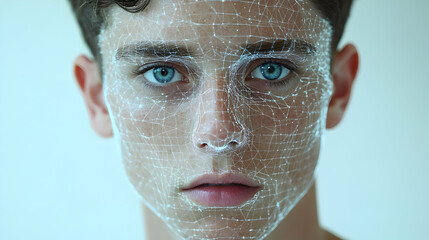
[(89, 80)]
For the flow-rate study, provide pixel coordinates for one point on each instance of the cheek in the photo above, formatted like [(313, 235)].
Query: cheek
[(147, 129), (151, 133), (298, 116), (285, 132)]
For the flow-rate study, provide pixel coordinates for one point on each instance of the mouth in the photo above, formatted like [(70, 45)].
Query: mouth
[(225, 190)]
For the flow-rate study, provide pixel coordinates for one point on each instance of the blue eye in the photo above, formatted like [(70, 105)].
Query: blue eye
[(163, 75), (270, 71)]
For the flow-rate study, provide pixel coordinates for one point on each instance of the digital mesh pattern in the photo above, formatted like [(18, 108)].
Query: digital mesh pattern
[(219, 88)]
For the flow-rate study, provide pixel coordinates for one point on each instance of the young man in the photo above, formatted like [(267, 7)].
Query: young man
[(219, 107)]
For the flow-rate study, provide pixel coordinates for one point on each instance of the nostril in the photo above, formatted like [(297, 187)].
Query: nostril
[(230, 145)]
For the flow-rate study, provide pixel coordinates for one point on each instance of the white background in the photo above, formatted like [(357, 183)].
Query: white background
[(58, 180)]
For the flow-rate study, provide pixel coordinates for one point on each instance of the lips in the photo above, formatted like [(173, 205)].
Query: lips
[(225, 190)]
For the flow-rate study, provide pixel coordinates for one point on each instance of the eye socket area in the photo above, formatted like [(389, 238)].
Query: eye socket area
[(271, 70)]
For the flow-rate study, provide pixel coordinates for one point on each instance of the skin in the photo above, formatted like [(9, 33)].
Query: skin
[(301, 223), (209, 116)]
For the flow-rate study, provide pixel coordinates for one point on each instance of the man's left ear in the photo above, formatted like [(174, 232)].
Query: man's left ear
[(344, 70)]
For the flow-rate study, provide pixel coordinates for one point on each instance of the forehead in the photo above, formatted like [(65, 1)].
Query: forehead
[(218, 22)]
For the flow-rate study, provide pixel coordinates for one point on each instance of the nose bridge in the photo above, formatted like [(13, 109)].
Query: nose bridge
[(218, 126)]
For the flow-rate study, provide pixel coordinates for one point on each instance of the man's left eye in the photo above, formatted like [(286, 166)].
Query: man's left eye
[(270, 71), (163, 75)]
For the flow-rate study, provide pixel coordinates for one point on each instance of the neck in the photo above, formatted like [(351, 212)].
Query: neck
[(301, 223)]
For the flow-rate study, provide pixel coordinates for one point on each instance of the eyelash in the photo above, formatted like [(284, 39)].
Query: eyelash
[(143, 69), (277, 83)]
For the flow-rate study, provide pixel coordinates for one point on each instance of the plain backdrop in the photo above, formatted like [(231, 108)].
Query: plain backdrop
[(58, 180)]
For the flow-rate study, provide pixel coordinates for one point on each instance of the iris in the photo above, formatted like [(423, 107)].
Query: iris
[(164, 74), (271, 71)]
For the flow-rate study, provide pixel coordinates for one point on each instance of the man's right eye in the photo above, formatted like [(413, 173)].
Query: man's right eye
[(162, 75)]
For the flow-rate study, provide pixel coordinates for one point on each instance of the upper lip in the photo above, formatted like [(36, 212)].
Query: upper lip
[(216, 179)]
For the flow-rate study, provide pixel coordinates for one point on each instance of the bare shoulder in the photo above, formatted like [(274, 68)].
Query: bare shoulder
[(329, 236)]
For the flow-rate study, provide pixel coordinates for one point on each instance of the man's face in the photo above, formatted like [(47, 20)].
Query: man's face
[(232, 94)]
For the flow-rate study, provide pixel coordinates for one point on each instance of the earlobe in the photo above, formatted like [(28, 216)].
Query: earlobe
[(344, 71), (89, 81)]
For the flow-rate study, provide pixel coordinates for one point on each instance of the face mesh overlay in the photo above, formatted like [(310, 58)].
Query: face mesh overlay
[(219, 107)]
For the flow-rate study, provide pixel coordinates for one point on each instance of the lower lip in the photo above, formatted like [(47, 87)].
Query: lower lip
[(221, 195)]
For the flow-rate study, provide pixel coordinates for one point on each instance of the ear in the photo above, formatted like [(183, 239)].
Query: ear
[(89, 80), (344, 70)]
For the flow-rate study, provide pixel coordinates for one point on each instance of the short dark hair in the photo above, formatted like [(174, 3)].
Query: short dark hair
[(90, 17)]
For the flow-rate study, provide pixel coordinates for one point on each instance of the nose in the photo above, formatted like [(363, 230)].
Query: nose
[(218, 127)]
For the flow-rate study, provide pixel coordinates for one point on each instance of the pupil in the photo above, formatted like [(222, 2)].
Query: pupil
[(271, 69), (164, 72)]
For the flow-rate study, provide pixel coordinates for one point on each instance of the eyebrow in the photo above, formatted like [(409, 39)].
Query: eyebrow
[(149, 49), (157, 50), (284, 45)]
